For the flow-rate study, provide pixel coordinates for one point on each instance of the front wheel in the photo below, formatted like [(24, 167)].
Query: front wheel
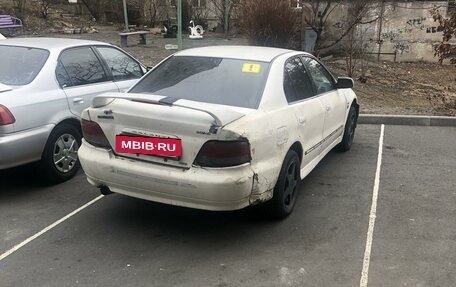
[(349, 132), (286, 189), (59, 161)]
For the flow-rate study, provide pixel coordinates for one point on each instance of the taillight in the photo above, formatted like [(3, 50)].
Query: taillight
[(6, 117), (93, 134), (223, 154)]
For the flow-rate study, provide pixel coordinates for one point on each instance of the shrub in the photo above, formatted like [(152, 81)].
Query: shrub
[(270, 23)]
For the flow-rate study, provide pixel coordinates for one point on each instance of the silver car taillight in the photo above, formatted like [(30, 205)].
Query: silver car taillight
[(6, 117), (223, 154), (93, 134)]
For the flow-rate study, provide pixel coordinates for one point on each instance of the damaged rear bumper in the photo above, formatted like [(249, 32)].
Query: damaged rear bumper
[(202, 188)]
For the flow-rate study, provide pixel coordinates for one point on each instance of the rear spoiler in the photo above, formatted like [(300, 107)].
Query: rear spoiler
[(221, 116)]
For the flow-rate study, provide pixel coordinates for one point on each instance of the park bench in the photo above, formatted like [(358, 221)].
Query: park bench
[(124, 37), (10, 22)]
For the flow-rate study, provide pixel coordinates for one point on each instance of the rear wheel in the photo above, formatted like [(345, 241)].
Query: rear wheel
[(349, 133), (286, 189), (59, 161)]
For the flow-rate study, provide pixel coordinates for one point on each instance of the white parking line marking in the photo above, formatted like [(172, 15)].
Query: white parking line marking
[(373, 212), (36, 235)]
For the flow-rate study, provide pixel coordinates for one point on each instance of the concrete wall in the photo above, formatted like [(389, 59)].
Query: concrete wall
[(409, 29)]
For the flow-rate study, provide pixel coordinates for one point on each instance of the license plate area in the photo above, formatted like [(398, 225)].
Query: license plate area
[(156, 146)]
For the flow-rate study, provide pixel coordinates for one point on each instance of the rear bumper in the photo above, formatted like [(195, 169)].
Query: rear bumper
[(23, 147), (201, 188)]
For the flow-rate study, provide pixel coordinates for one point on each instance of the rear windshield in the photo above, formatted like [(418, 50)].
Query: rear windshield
[(205, 79), (20, 65)]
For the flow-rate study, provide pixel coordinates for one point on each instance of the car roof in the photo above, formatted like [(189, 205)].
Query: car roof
[(253, 53), (49, 43)]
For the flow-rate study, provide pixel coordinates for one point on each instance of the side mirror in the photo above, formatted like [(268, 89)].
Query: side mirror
[(148, 68), (344, 83)]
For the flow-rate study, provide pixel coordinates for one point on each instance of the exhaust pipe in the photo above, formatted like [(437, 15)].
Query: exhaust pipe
[(105, 190)]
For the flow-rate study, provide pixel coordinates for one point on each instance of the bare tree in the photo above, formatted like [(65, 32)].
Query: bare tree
[(199, 16), (44, 6), (94, 7), (356, 41), (316, 14), (218, 7), (20, 6), (356, 47), (445, 50), (269, 23), (156, 10)]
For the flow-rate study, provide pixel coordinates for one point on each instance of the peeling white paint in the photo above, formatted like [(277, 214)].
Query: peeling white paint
[(282, 135)]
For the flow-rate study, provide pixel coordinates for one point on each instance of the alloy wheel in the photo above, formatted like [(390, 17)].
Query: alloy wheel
[(65, 153), (290, 186)]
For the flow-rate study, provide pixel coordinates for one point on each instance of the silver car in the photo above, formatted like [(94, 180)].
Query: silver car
[(45, 83)]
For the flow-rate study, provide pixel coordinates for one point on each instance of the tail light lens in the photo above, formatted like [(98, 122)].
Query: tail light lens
[(93, 134), (6, 117), (223, 154)]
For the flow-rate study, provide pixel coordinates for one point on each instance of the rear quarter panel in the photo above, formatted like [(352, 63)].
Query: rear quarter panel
[(271, 130), (270, 135)]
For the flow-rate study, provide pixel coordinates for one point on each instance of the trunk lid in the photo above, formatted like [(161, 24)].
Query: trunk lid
[(194, 123), (4, 88)]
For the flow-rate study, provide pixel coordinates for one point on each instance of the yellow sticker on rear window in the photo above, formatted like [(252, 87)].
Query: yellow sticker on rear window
[(251, 68)]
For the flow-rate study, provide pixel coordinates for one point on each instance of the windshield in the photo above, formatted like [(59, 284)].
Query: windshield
[(206, 79), (20, 65)]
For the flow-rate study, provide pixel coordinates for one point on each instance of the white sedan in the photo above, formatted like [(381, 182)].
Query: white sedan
[(219, 128)]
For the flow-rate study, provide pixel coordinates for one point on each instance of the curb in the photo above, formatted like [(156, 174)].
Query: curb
[(407, 120)]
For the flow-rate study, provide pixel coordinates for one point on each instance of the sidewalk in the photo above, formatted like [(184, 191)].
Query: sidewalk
[(407, 120)]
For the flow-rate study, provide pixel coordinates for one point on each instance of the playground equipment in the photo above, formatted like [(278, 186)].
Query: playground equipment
[(196, 32)]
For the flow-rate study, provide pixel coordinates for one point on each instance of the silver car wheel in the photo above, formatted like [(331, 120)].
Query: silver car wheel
[(65, 153)]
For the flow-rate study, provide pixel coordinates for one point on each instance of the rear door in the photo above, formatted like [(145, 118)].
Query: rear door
[(306, 106), (82, 76), (124, 69), (334, 101)]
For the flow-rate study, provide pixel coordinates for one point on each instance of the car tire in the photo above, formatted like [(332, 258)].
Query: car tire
[(59, 161), (349, 132), (286, 188)]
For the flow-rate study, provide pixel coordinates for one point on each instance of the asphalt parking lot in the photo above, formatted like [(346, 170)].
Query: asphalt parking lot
[(387, 210)]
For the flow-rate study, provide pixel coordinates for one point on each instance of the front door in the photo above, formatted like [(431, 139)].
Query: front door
[(307, 107), (334, 101)]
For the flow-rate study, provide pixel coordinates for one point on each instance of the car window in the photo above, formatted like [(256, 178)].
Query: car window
[(83, 66), (20, 65), (223, 81), (322, 80), (296, 84), (62, 76), (122, 66)]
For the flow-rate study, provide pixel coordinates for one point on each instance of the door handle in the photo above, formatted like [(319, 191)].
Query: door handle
[(302, 120), (78, 101), (328, 108)]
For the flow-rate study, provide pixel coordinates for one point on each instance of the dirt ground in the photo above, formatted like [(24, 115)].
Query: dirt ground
[(391, 88), (405, 88)]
